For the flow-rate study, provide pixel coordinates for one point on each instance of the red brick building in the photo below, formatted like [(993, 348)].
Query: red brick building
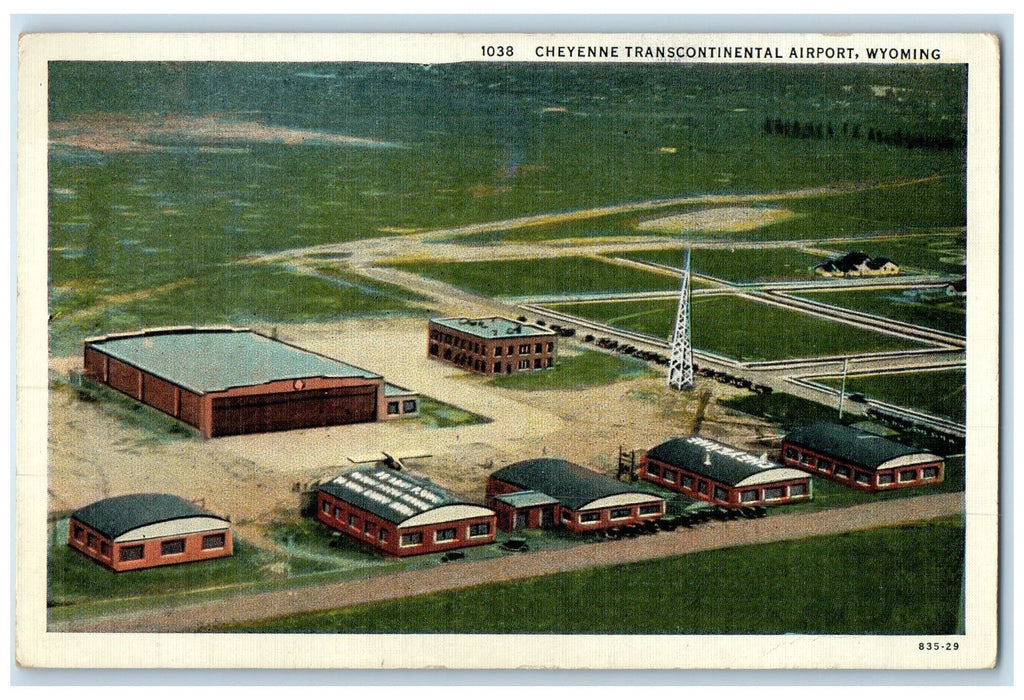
[(400, 515), (490, 346), (227, 381), (710, 471), (579, 499), (144, 530), (859, 459)]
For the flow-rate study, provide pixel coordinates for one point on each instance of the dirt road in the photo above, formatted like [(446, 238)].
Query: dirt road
[(716, 535)]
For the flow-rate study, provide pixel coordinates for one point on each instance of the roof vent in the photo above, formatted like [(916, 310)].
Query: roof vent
[(707, 458)]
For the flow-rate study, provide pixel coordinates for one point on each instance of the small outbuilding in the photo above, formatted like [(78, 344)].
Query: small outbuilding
[(583, 500), (860, 459), (710, 471), (229, 381), (143, 530), (493, 345), (399, 514)]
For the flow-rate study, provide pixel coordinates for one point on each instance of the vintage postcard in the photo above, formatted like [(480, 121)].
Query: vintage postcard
[(508, 351)]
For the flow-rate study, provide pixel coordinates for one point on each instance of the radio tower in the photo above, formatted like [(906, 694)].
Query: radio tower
[(680, 365)]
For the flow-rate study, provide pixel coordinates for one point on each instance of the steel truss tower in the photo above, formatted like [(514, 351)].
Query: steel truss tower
[(680, 364)]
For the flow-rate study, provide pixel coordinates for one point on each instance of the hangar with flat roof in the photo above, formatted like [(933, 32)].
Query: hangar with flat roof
[(230, 381), (583, 500), (399, 514), (143, 530), (860, 459), (711, 471)]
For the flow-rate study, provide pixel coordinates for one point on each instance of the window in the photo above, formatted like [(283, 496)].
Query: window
[(91, 539), (479, 529), (702, 487), (382, 535), (476, 348), (567, 516), (908, 475), (774, 493), (547, 361), (337, 513), (169, 547), (551, 346), (806, 459), (721, 494), (686, 482), (862, 478), (392, 408), (216, 541), (620, 513), (589, 517), (797, 490), (353, 521), (434, 334), (884, 479), (411, 539), (79, 533), (409, 406), (130, 553), (105, 548), (497, 367), (536, 363), (748, 496), (824, 464), (790, 453), (497, 351), (524, 349), (930, 473), (368, 527), (434, 349), (445, 535), (841, 471), (652, 509), (538, 348), (325, 507), (654, 470), (511, 349), (524, 364), (669, 475)]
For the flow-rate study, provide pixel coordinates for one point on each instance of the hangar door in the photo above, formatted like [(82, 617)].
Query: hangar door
[(235, 415)]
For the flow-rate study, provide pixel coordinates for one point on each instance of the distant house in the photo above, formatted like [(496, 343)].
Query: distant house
[(143, 530), (710, 471), (546, 491), (857, 264), (493, 345), (399, 514), (858, 458)]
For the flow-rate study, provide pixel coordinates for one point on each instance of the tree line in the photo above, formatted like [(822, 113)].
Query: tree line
[(777, 126)]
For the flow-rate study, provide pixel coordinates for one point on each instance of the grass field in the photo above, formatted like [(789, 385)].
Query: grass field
[(737, 265), (438, 414), (941, 393), (740, 328), (576, 372), (797, 591), (929, 308), (940, 252), (544, 276)]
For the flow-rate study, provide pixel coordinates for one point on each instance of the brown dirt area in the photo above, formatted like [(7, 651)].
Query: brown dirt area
[(717, 219), (249, 478)]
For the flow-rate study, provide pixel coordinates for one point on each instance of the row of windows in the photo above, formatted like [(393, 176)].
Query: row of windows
[(407, 406), (481, 349), (687, 482), (613, 514), (842, 471), (673, 476), (169, 548)]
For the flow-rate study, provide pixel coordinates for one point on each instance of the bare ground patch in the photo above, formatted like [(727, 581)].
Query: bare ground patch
[(722, 219)]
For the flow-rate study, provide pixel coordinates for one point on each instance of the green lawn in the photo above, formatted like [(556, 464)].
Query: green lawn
[(587, 369), (908, 582), (929, 308), (740, 328), (943, 252), (543, 276), (437, 414), (941, 393), (739, 264)]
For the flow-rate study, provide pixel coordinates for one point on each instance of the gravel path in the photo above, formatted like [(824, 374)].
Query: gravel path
[(715, 535)]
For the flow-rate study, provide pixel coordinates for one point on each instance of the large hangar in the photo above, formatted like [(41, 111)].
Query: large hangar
[(229, 381)]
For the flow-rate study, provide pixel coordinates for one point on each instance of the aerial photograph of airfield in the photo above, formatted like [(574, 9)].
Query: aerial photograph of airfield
[(506, 348)]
